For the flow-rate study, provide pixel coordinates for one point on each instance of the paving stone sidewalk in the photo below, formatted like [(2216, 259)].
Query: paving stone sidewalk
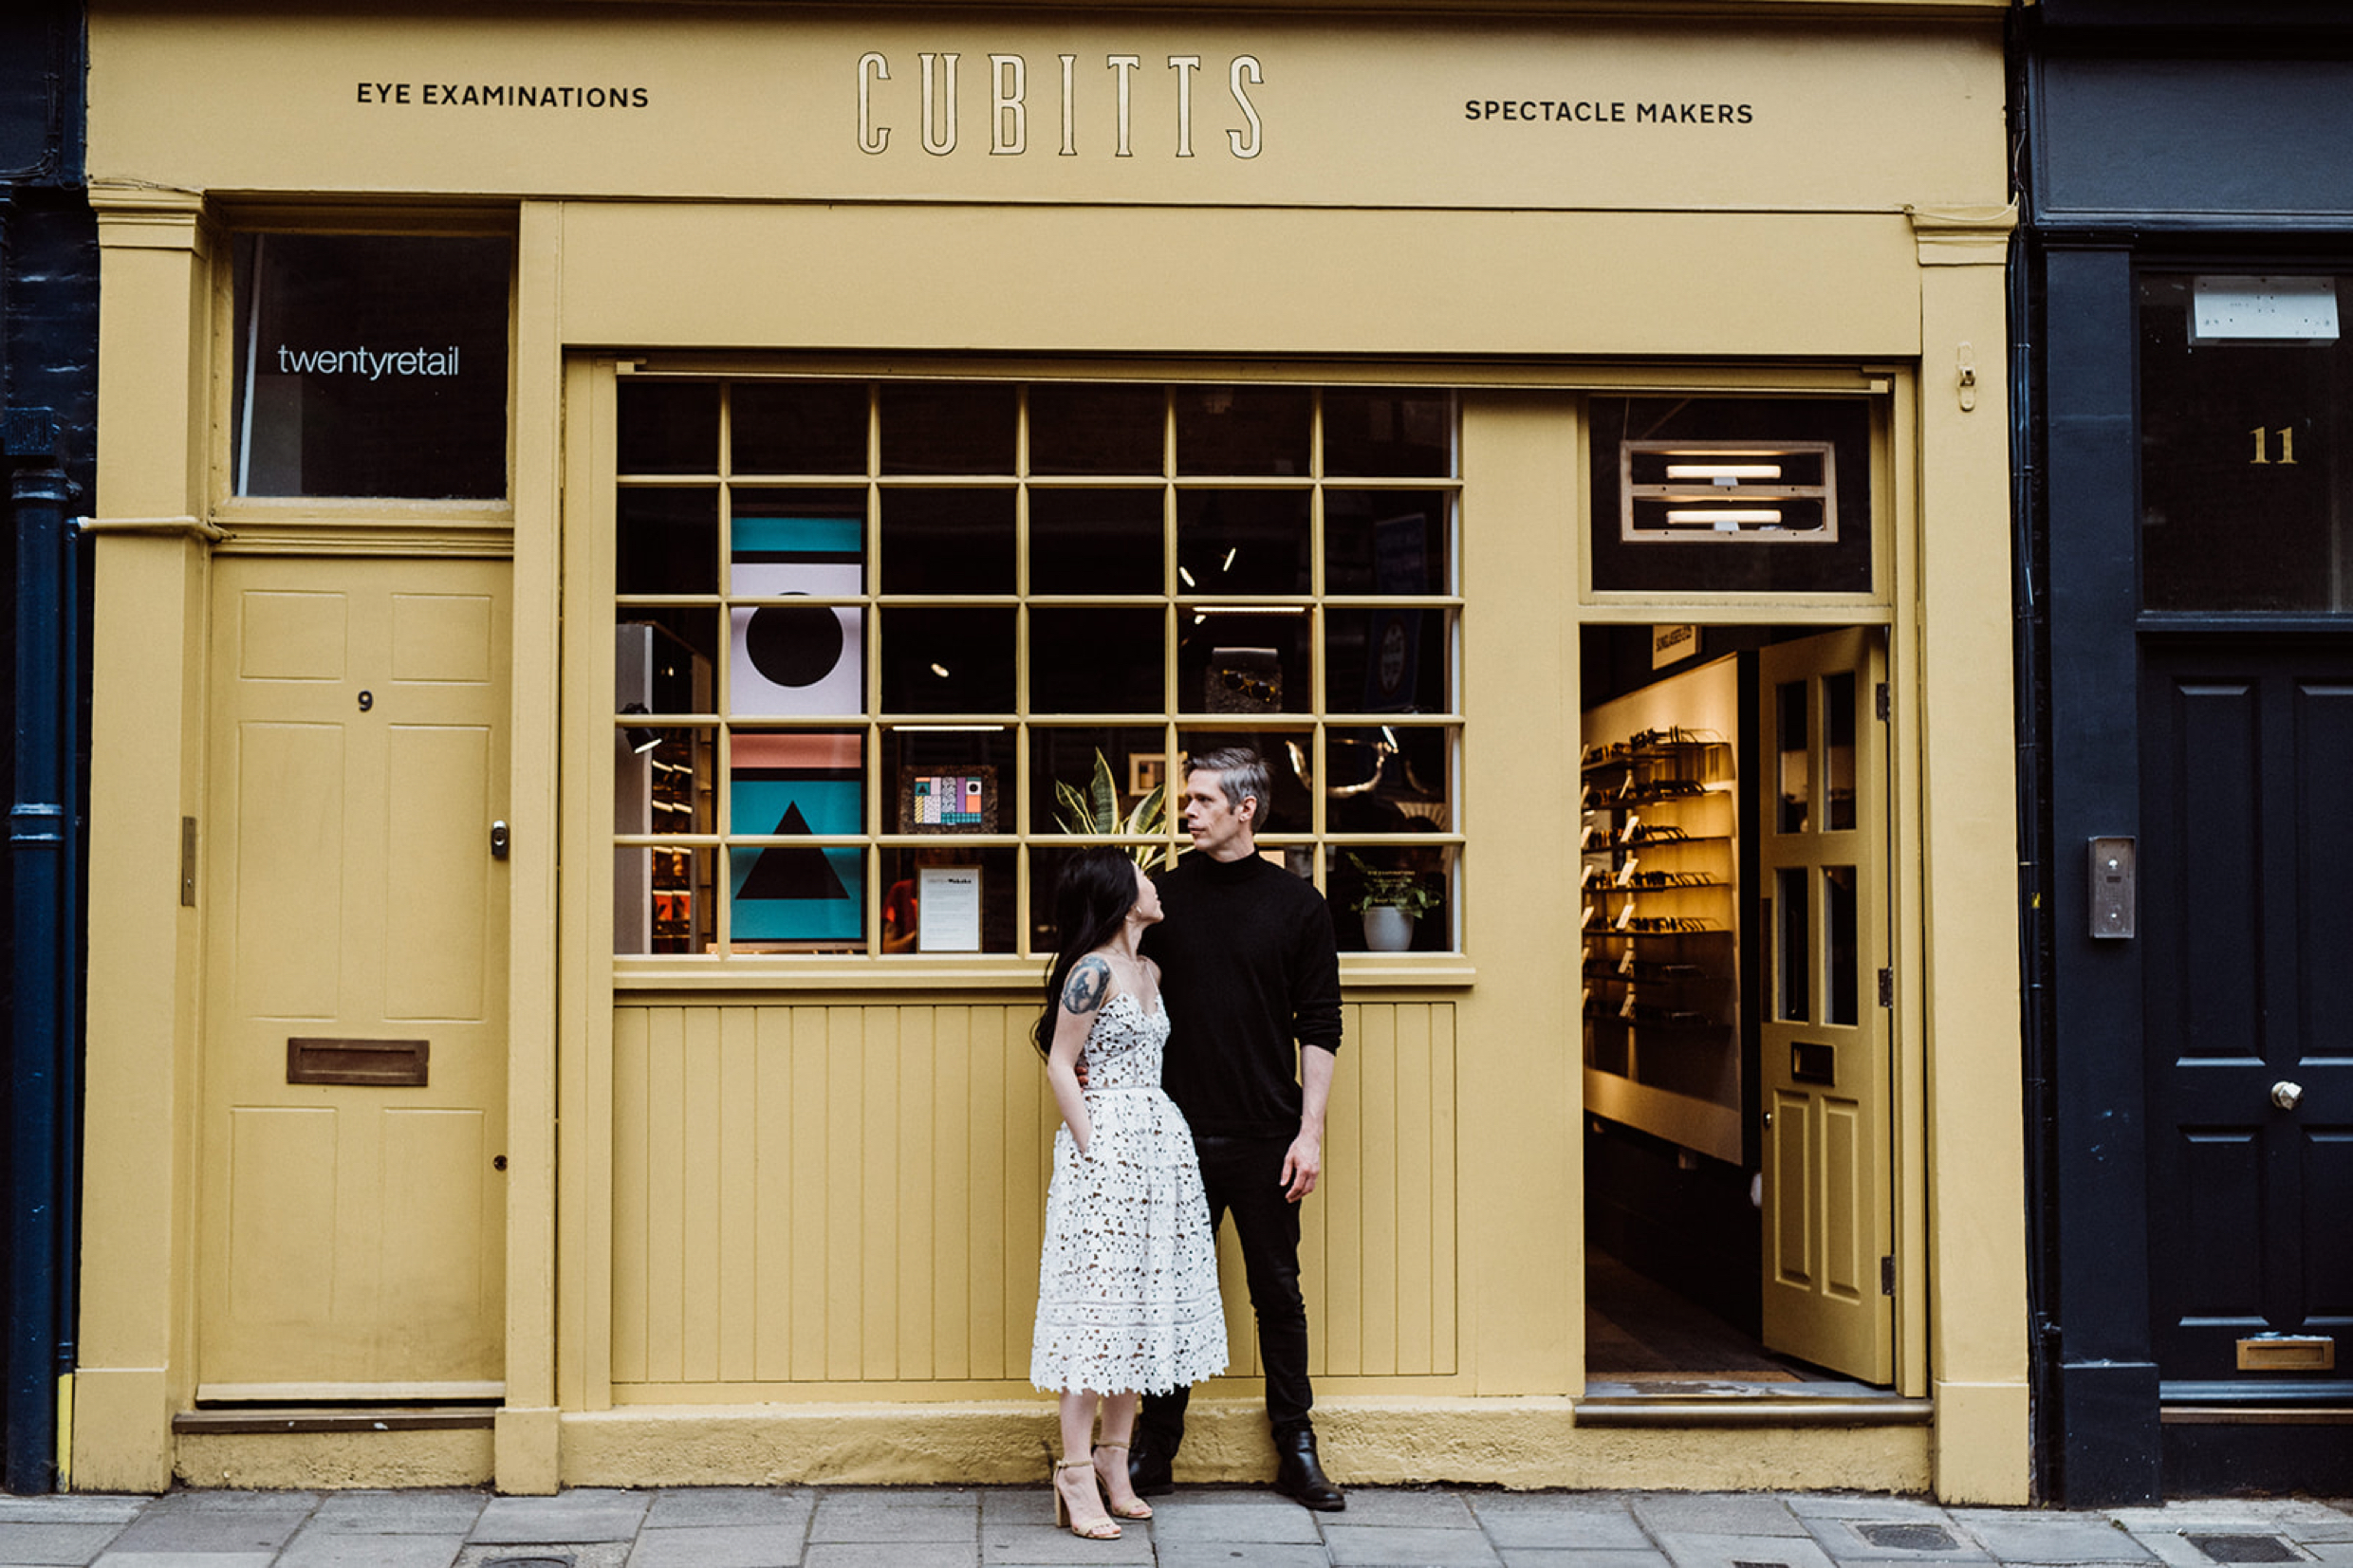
[(1198, 1527)]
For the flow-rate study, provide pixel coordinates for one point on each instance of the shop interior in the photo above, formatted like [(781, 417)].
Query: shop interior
[(1674, 940)]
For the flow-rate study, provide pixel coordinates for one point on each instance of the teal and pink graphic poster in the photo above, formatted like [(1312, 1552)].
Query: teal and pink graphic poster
[(791, 784)]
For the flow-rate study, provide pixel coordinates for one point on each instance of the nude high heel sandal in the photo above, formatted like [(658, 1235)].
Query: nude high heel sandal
[(1137, 1508), (1100, 1527)]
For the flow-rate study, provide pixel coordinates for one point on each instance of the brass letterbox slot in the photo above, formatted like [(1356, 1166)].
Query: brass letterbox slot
[(375, 1063), (2287, 1353)]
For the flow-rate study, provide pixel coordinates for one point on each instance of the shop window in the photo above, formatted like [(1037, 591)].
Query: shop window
[(1729, 495), (370, 365), (2242, 413), (886, 653)]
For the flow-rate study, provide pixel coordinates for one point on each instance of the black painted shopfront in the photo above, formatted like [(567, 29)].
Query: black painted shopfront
[(2184, 314)]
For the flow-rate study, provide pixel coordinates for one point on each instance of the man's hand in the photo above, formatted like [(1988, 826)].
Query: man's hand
[(1303, 1163)]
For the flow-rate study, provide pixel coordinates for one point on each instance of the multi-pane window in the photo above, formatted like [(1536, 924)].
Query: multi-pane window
[(885, 651)]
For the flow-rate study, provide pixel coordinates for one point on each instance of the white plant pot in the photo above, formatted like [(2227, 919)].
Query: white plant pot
[(1388, 929)]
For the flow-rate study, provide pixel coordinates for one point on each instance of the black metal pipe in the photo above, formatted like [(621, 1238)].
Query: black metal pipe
[(40, 872)]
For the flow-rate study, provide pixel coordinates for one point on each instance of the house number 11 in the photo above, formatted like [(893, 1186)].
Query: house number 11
[(2287, 444)]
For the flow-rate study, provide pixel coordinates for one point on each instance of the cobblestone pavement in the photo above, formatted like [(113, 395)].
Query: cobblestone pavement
[(1198, 1527)]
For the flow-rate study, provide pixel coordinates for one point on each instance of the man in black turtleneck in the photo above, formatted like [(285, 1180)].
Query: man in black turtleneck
[(1252, 983)]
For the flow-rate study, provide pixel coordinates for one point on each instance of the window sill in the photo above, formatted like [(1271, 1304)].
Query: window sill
[(1358, 971)]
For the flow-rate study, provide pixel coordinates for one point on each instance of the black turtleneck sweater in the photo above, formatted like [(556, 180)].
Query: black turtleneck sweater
[(1248, 966)]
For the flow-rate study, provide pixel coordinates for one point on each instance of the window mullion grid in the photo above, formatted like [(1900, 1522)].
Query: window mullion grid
[(1172, 619), (723, 681), (870, 581), (1021, 762), (1317, 701)]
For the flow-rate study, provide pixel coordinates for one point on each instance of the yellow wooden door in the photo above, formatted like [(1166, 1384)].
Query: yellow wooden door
[(1824, 1078), (351, 1222)]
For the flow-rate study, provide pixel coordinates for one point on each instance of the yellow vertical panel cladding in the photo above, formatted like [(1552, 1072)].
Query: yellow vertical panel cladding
[(951, 1331), (743, 1268), (1376, 1067), (699, 1192), (764, 1128), (736, 1215), (917, 1213), (804, 1112), (883, 1130), (666, 1138), (985, 1031), (630, 1187)]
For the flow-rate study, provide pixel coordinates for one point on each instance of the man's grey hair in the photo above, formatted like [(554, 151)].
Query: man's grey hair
[(1241, 773)]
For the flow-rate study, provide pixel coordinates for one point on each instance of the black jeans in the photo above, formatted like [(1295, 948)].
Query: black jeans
[(1243, 1177)]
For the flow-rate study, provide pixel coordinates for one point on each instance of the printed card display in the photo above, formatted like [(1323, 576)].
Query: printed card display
[(789, 784), (797, 660)]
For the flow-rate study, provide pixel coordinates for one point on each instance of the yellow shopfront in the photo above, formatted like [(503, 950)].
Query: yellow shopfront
[(626, 539)]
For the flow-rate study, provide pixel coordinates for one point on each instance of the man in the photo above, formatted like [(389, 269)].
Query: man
[(1248, 968)]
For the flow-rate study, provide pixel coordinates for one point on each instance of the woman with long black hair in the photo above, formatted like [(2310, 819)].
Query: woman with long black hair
[(1127, 1287)]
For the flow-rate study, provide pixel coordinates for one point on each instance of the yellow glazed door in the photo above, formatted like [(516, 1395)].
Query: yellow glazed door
[(356, 970), (1824, 1078)]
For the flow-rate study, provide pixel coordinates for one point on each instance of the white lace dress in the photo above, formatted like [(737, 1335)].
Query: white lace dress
[(1127, 1287)]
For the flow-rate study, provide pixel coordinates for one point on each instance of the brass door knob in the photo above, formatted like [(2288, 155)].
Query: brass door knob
[(2286, 1095)]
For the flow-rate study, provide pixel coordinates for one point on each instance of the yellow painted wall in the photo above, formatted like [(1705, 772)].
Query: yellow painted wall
[(817, 1202), (813, 1203)]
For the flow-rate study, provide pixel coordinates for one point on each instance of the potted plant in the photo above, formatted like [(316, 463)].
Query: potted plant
[(1390, 902), (1095, 811)]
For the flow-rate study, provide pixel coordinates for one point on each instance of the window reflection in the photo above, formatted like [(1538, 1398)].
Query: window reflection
[(782, 590)]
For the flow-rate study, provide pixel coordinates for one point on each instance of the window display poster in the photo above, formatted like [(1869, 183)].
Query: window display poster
[(787, 785), (791, 660), (948, 906)]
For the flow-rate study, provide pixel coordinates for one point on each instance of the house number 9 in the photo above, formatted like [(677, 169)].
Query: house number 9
[(367, 700), (2287, 445)]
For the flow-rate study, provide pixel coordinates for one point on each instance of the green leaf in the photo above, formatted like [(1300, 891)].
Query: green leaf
[(1106, 795)]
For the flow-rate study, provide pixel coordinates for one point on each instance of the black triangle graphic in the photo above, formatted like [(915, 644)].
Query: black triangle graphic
[(782, 873)]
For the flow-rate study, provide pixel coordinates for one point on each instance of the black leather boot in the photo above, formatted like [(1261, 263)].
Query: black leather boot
[(1299, 1474), (1148, 1466)]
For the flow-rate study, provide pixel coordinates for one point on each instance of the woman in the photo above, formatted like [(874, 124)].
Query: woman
[(1127, 1288)]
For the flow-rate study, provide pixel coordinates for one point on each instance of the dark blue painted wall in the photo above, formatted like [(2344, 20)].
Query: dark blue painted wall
[(2160, 132), (48, 335)]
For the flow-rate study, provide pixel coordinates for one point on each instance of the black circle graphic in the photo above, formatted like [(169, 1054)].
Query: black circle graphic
[(793, 644)]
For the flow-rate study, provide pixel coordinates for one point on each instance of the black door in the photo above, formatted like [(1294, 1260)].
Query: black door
[(2246, 925)]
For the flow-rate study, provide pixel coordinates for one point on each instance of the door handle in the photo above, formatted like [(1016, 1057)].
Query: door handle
[(2287, 1095)]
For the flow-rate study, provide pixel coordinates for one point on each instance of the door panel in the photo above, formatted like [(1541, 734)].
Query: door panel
[(350, 1234), (1823, 1043), (2248, 860)]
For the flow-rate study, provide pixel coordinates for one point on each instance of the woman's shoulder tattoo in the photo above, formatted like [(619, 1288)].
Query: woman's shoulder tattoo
[(1090, 977)]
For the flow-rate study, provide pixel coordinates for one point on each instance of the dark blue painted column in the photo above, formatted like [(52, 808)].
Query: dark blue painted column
[(2110, 1445), (41, 873)]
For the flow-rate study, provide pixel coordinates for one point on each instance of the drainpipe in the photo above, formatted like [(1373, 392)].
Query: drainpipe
[(41, 870)]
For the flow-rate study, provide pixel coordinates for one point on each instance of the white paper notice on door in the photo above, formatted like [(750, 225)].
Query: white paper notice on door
[(947, 909)]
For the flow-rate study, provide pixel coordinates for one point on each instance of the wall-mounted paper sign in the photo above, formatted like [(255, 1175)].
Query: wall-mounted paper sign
[(1671, 645), (797, 660), (948, 901)]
